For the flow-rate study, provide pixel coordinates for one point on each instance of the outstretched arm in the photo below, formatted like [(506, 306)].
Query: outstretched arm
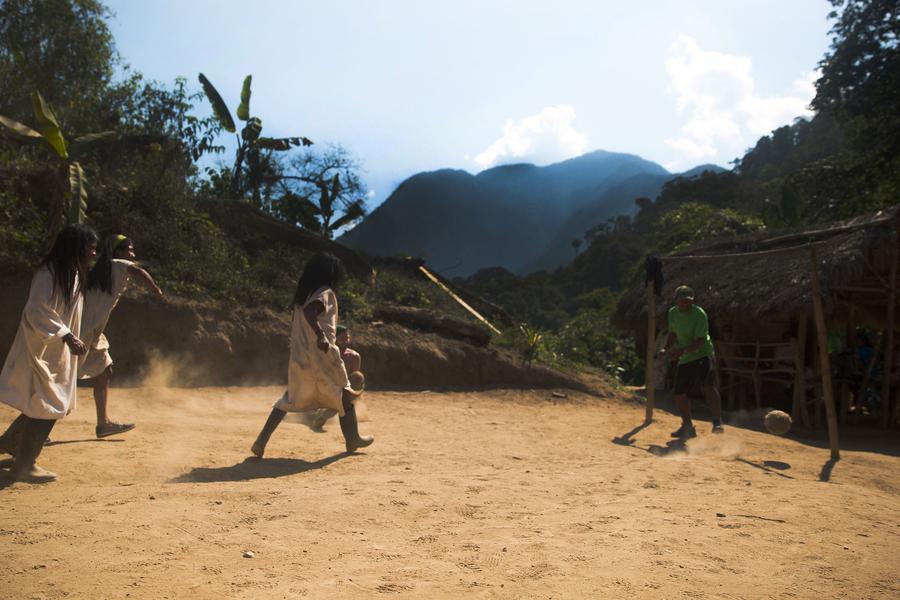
[(145, 279)]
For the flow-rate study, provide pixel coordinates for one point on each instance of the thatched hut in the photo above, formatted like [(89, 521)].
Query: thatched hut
[(759, 287)]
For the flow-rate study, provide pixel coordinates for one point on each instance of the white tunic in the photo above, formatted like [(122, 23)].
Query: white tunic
[(316, 379), (98, 306), (40, 371)]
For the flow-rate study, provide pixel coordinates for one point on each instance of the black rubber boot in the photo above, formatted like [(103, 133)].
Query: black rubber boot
[(35, 431), (12, 437), (350, 428), (259, 446)]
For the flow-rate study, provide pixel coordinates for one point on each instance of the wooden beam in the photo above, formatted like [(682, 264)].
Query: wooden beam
[(824, 362), (861, 290), (886, 412), (877, 275), (867, 378), (848, 343), (459, 300), (799, 411), (649, 376)]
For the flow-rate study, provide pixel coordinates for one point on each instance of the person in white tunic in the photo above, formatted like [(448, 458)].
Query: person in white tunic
[(317, 377), (40, 372), (107, 281)]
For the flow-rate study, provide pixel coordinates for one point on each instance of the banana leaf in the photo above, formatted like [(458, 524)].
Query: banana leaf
[(106, 139), (243, 110), (307, 206), (335, 187), (19, 128), (325, 199), (251, 131), (49, 126), (77, 194), (355, 210), (282, 144), (219, 107), (101, 136)]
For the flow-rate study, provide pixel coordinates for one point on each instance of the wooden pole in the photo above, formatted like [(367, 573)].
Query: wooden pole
[(849, 343), (800, 412), (889, 342), (867, 378), (824, 362), (459, 300), (649, 377)]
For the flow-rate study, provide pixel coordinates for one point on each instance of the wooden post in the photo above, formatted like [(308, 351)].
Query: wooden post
[(824, 362), (799, 411), (867, 377), (849, 343), (649, 377), (889, 342)]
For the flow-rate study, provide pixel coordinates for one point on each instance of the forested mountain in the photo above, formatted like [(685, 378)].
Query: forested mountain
[(521, 217), (843, 162)]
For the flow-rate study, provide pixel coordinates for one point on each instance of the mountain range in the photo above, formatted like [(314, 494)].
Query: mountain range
[(520, 216)]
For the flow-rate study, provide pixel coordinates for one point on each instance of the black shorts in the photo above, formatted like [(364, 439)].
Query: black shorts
[(691, 376)]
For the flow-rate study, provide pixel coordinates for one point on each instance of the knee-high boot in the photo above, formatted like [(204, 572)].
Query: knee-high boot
[(9, 441), (350, 428), (34, 433), (259, 446)]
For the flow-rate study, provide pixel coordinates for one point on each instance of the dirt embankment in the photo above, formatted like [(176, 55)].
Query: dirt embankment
[(207, 343)]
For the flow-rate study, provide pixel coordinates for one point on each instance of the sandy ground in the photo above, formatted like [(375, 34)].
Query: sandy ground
[(496, 494)]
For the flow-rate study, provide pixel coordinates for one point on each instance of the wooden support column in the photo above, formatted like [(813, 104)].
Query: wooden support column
[(846, 388), (886, 411), (867, 377), (824, 362), (649, 376), (800, 412)]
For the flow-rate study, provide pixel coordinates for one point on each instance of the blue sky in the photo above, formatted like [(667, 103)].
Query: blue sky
[(409, 86)]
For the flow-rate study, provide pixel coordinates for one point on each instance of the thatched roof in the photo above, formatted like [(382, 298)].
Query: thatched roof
[(768, 273)]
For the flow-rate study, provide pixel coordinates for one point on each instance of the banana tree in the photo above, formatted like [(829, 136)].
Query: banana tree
[(250, 142), (71, 203), (71, 185), (319, 216)]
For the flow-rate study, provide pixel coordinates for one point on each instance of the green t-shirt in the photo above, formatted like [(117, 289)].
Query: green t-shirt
[(687, 327)]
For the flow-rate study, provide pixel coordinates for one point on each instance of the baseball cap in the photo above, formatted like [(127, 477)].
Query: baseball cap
[(684, 292)]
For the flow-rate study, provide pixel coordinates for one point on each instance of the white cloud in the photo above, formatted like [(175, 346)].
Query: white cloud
[(545, 137), (725, 114)]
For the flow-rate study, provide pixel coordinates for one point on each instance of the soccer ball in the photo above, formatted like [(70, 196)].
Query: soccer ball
[(357, 380), (778, 422)]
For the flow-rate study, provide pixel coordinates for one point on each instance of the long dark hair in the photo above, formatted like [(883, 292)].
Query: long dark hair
[(101, 275), (322, 270), (69, 257)]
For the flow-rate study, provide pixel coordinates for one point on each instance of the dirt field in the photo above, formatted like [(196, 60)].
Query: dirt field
[(497, 494)]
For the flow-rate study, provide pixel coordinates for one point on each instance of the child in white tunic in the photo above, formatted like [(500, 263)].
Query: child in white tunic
[(40, 371), (316, 374), (107, 282), (353, 365)]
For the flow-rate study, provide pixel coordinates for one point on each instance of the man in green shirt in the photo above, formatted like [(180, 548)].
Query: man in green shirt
[(690, 345)]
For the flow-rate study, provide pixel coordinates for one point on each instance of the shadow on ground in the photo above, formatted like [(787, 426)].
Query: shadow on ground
[(855, 438), (256, 468), (84, 441)]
